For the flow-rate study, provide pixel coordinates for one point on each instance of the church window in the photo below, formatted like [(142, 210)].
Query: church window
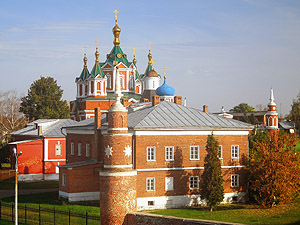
[(150, 184), (109, 81), (194, 153), (80, 90), (234, 151), (131, 82), (220, 152), (194, 182), (169, 183), (79, 149), (92, 87), (153, 84), (63, 179), (87, 150), (169, 153), (86, 89), (235, 180), (72, 148), (98, 86), (150, 154), (58, 149), (122, 83)]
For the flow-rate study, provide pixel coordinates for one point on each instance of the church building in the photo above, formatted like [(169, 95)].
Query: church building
[(148, 154)]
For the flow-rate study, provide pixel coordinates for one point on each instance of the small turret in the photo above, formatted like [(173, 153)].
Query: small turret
[(272, 115)]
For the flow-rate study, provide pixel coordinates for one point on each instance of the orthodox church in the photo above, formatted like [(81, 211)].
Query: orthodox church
[(96, 88), (143, 149)]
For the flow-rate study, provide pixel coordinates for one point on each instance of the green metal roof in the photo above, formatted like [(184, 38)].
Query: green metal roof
[(117, 54), (84, 74), (97, 70)]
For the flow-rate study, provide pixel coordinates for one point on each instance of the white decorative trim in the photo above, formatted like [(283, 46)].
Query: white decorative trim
[(118, 166), (46, 149), (185, 168), (120, 128), (55, 160), (189, 132), (112, 134), (80, 196), (118, 174), (163, 202)]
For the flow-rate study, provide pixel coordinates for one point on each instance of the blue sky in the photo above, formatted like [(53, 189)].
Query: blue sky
[(219, 53)]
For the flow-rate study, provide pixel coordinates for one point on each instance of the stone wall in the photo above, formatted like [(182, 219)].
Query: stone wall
[(151, 219)]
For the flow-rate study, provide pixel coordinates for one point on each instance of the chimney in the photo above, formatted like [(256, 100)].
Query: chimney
[(125, 102), (155, 100), (97, 118), (145, 100), (205, 108), (40, 130), (178, 100), (36, 125)]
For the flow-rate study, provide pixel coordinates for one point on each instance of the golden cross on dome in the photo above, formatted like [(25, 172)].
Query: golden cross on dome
[(133, 51), (116, 14), (150, 46), (97, 43), (165, 73), (84, 50)]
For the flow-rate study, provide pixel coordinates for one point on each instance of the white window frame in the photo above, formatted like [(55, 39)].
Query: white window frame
[(169, 153), (220, 152), (72, 148), (151, 156), (169, 183), (235, 180), (63, 180), (194, 182), (150, 184), (58, 149), (193, 150), (122, 81), (235, 151), (87, 150), (79, 149)]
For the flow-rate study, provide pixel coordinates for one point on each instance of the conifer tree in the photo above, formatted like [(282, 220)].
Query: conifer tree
[(44, 101), (212, 181)]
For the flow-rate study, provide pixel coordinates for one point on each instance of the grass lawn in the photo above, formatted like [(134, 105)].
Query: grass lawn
[(10, 185), (242, 213)]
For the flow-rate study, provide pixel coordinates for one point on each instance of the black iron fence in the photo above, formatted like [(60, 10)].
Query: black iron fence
[(43, 215)]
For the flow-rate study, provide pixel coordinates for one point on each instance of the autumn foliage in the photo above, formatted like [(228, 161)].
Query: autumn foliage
[(274, 169)]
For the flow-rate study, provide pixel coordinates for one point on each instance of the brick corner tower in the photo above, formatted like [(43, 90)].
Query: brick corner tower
[(117, 178), (272, 115)]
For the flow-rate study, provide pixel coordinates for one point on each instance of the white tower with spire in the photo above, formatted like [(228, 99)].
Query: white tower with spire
[(272, 115)]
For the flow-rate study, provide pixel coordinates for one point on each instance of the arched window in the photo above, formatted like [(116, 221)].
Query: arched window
[(131, 82), (86, 89), (108, 81), (80, 89), (92, 87), (98, 86)]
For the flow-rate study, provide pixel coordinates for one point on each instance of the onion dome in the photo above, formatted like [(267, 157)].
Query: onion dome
[(85, 72), (152, 73), (116, 30), (134, 59), (165, 90), (97, 67)]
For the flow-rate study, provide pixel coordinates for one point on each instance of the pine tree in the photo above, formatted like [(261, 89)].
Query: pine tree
[(212, 181), (44, 101)]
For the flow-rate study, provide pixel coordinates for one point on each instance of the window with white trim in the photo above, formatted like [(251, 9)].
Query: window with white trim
[(169, 183), (169, 153), (150, 154), (220, 152), (194, 152), (194, 182), (79, 149), (63, 180), (87, 150), (58, 149), (72, 148), (122, 81), (150, 184), (234, 151), (235, 180)]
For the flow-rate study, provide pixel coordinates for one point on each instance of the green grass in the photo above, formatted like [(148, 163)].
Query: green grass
[(10, 185), (242, 213)]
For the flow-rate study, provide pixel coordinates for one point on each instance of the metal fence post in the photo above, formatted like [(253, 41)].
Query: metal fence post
[(69, 217), (86, 218), (39, 214)]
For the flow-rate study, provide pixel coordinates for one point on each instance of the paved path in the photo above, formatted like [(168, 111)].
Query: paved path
[(8, 193)]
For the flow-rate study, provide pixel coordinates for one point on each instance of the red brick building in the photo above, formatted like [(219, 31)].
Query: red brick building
[(43, 147)]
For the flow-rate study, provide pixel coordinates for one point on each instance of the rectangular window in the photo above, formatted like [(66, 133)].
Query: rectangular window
[(87, 150), (194, 153), (150, 153), (194, 182), (79, 149), (235, 180), (58, 149), (63, 180), (220, 152), (234, 151), (169, 153), (72, 148), (150, 184), (169, 183)]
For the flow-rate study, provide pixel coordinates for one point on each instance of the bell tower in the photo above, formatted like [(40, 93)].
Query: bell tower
[(117, 178), (272, 115)]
